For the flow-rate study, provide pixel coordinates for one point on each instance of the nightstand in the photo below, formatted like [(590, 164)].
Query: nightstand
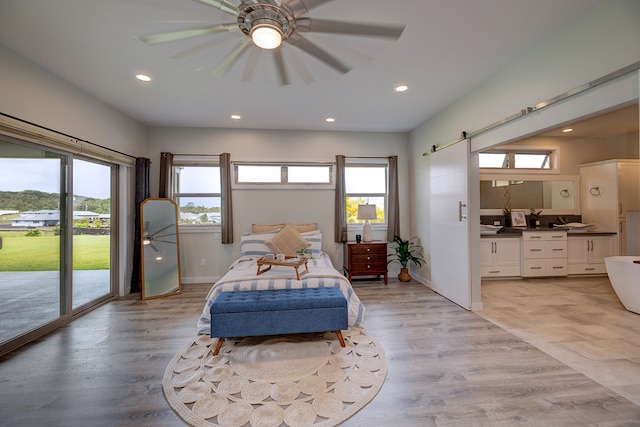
[(367, 259)]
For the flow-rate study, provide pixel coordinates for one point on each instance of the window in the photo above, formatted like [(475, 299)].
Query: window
[(197, 192), (316, 174), (521, 159), (365, 184)]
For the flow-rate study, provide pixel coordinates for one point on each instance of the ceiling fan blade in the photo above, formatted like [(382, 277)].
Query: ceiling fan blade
[(314, 50), (349, 28), (231, 58), (251, 65), (199, 48), (223, 5), (171, 36), (300, 7), (282, 71), (296, 63)]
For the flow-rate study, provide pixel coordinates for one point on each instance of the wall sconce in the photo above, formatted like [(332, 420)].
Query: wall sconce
[(366, 212)]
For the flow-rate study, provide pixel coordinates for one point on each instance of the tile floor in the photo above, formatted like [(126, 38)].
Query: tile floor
[(578, 320)]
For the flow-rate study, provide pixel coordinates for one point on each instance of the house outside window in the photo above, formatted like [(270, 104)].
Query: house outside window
[(197, 192)]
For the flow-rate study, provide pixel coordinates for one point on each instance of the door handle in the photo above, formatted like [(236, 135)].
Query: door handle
[(460, 215)]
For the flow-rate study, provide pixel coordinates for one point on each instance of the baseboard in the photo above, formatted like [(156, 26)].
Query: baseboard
[(198, 280)]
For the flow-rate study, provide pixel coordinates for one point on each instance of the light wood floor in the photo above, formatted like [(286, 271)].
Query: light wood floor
[(447, 367), (579, 321)]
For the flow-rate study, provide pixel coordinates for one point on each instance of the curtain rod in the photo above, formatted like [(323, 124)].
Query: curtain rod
[(66, 134), (540, 105)]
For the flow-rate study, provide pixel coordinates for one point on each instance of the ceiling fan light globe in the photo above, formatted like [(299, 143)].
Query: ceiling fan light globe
[(266, 37)]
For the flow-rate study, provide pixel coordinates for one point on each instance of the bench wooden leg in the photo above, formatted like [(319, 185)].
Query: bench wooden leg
[(218, 345), (339, 334)]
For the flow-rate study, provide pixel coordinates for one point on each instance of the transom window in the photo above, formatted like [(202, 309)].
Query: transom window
[(541, 160), (317, 174)]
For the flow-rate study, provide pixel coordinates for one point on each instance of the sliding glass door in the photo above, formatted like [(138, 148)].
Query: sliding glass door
[(91, 232), (56, 238)]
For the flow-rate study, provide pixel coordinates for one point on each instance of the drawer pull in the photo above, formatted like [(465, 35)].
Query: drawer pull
[(536, 237), (535, 250), (368, 258), (589, 269), (536, 268), (558, 249), (557, 268), (368, 249), (368, 267), (494, 271), (557, 237)]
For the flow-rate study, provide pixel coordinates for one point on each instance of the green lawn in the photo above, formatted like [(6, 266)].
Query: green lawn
[(21, 253)]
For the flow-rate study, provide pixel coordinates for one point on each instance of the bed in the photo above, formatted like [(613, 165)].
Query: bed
[(242, 275)]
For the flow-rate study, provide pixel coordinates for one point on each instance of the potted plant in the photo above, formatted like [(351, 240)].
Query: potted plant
[(534, 216), (506, 212), (405, 251)]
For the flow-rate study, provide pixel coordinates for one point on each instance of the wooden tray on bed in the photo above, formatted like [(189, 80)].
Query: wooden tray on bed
[(290, 261)]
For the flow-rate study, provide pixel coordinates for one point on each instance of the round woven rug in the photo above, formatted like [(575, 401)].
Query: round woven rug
[(283, 381)]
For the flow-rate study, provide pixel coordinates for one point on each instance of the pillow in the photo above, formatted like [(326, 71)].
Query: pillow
[(315, 240), (301, 228), (256, 228), (287, 241), (254, 244)]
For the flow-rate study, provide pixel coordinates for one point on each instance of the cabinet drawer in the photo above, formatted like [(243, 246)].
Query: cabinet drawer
[(535, 250), (360, 267), (587, 269), (364, 258), (557, 267), (501, 271), (364, 248), (538, 236), (534, 267), (556, 249)]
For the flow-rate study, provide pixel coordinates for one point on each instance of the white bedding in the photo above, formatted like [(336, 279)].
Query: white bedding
[(242, 276)]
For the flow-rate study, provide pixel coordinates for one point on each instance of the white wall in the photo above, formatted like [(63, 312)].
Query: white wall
[(32, 94), (261, 206), (602, 41)]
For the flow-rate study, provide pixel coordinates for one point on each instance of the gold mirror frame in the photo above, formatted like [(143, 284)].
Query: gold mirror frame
[(160, 248)]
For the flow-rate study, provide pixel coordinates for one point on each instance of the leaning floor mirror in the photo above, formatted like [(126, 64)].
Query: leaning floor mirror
[(160, 269)]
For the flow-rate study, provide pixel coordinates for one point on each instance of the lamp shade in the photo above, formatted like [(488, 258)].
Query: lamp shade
[(367, 212)]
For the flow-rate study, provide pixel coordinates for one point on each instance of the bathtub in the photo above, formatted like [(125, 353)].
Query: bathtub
[(624, 275)]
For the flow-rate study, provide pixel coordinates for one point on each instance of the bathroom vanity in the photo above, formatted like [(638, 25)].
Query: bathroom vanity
[(545, 252)]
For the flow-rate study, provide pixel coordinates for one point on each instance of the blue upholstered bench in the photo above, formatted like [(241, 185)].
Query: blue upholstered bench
[(278, 312)]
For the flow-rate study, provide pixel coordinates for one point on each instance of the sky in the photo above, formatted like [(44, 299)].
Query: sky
[(91, 179)]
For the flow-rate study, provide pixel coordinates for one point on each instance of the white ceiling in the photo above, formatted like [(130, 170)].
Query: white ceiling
[(447, 48)]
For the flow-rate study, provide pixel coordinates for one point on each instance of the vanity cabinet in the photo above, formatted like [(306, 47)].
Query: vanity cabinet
[(544, 253), (500, 257), (586, 254)]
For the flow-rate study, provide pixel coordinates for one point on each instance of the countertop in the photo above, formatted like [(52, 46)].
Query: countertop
[(517, 231)]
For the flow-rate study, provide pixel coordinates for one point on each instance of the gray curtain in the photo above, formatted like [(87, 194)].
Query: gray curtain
[(142, 193), (226, 205), (166, 164), (340, 219), (393, 209)]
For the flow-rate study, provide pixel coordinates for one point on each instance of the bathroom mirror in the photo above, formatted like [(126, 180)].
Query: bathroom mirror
[(554, 195), (160, 269)]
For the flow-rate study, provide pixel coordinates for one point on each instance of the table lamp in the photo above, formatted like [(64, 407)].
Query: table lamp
[(366, 212)]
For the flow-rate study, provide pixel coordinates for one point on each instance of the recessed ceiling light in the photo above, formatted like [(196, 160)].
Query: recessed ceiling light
[(567, 130), (235, 117), (143, 77), (401, 88), (330, 120)]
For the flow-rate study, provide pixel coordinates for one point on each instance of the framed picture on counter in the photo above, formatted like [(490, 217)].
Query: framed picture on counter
[(518, 219)]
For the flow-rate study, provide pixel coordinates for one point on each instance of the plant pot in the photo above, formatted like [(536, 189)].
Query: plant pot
[(404, 275)]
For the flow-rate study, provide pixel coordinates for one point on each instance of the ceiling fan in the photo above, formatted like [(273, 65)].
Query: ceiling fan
[(268, 23)]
